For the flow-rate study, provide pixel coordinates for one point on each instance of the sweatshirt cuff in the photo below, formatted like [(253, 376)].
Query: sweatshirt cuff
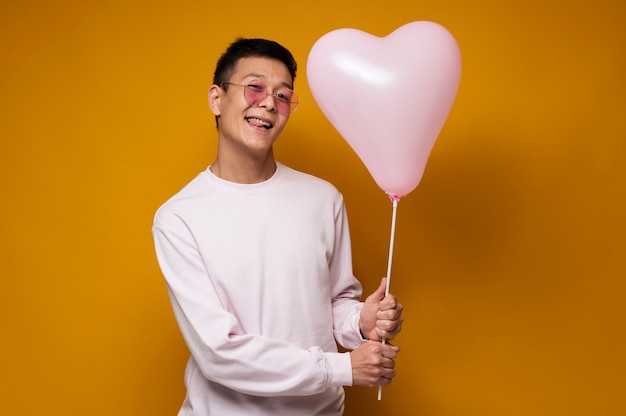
[(338, 369)]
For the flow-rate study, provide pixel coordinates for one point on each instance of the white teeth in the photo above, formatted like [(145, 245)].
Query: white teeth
[(264, 123)]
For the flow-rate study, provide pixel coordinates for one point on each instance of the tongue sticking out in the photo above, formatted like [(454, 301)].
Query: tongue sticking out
[(259, 123)]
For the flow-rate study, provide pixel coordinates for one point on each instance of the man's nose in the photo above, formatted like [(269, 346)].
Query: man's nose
[(269, 102)]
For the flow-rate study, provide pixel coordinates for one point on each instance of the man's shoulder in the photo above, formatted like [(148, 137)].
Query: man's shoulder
[(184, 198), (301, 178)]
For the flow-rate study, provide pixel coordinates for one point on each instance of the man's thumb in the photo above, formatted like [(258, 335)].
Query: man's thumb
[(379, 294)]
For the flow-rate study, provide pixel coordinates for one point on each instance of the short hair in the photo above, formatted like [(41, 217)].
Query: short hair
[(244, 48)]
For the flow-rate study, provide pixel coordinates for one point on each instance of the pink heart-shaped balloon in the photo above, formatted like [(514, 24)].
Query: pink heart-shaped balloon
[(388, 97)]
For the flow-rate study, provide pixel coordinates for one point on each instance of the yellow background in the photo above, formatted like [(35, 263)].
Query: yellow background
[(509, 256)]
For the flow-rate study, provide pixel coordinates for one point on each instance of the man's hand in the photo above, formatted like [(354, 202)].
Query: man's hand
[(373, 364), (381, 317)]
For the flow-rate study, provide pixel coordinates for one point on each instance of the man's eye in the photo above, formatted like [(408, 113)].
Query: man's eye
[(256, 87), (282, 95)]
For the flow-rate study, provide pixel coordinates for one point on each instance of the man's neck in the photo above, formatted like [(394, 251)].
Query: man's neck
[(245, 171)]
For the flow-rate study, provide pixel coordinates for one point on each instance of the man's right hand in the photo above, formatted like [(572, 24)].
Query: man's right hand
[(373, 364)]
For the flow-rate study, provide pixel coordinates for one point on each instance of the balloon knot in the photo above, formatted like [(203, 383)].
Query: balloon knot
[(393, 198)]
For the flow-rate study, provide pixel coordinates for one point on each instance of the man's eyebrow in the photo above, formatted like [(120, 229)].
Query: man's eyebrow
[(254, 74)]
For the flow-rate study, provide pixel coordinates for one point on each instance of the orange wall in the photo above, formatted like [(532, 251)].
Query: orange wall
[(509, 255)]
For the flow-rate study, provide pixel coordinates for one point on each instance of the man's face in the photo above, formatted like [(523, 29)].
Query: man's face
[(246, 127)]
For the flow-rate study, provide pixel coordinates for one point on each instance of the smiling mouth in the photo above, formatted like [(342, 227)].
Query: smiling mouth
[(258, 122)]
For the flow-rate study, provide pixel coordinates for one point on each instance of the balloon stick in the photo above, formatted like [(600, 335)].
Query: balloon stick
[(389, 261)]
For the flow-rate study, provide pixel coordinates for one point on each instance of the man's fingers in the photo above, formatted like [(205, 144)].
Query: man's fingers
[(390, 302)]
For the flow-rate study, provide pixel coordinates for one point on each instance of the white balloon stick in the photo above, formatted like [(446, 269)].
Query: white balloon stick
[(389, 262)]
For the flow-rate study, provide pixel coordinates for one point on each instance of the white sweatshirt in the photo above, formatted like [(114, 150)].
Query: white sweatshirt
[(261, 283)]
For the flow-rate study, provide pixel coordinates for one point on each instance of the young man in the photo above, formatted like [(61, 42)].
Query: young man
[(257, 261)]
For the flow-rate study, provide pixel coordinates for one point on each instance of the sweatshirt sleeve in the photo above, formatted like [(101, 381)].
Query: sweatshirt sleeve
[(347, 290), (248, 363)]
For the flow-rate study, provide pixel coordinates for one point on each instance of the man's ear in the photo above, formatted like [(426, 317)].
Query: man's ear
[(214, 99)]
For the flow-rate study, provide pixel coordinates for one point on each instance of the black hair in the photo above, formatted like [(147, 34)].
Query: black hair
[(243, 48)]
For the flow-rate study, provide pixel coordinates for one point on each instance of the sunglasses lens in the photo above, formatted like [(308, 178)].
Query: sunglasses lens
[(254, 93), (282, 99), (286, 100)]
